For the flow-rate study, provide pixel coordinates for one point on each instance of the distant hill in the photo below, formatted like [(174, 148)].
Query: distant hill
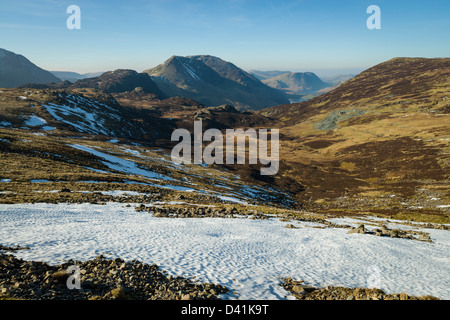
[(119, 81), (68, 75), (339, 79), (264, 75), (16, 70), (398, 79), (212, 82), (297, 82), (92, 74), (74, 76), (382, 134)]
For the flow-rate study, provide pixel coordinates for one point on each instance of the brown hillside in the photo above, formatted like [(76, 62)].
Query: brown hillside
[(378, 143)]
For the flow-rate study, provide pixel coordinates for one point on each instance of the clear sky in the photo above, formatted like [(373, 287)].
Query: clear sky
[(323, 36)]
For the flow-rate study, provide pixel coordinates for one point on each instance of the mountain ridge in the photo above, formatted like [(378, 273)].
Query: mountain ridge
[(75, 76), (16, 70), (379, 141), (121, 80), (213, 81)]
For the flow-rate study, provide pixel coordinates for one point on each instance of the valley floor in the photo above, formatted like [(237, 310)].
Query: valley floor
[(250, 257)]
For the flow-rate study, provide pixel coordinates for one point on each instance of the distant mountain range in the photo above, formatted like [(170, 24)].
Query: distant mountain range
[(206, 79), (74, 76), (299, 86), (264, 75), (16, 70), (297, 82), (339, 79)]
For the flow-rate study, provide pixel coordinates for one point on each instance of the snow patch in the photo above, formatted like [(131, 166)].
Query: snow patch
[(190, 71), (248, 256), (122, 165), (34, 121), (48, 128), (4, 124)]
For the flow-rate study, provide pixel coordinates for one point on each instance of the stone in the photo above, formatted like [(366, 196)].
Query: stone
[(424, 237), (118, 293), (4, 289), (298, 289), (60, 276), (361, 229), (403, 296), (186, 297)]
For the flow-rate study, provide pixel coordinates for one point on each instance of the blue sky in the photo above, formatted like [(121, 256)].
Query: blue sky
[(323, 36)]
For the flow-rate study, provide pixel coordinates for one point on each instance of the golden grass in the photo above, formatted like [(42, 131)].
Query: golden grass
[(349, 166)]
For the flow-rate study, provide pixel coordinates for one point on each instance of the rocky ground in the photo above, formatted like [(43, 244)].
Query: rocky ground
[(194, 211), (100, 279), (305, 292)]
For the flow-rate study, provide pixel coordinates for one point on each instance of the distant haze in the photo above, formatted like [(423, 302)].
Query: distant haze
[(321, 73)]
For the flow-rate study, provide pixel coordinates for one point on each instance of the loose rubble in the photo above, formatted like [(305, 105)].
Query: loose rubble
[(384, 231), (199, 212), (100, 279), (12, 249), (305, 292)]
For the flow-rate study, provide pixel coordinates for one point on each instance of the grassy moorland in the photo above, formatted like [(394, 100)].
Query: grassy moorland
[(376, 145)]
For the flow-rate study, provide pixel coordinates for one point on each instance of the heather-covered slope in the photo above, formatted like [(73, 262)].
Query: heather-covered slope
[(380, 142)]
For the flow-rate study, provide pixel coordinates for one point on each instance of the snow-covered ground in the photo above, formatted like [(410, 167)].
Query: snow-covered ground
[(248, 256)]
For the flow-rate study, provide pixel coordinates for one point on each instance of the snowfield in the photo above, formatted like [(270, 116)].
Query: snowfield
[(248, 256)]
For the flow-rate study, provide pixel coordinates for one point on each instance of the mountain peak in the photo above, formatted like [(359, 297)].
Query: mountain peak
[(213, 81), (205, 57), (16, 70)]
